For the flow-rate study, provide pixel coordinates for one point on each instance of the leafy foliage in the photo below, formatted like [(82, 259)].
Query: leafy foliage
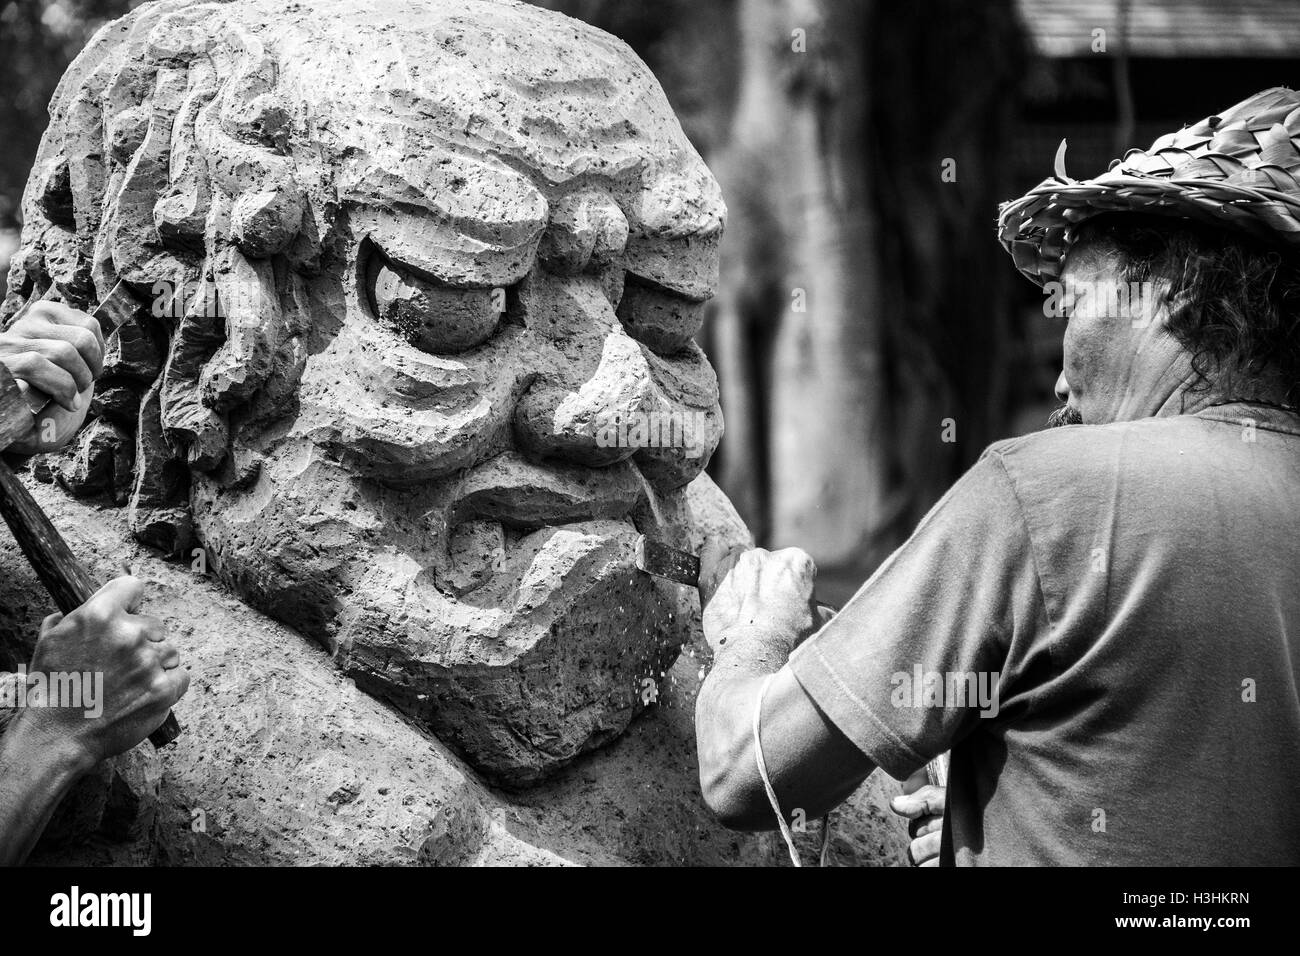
[(38, 39)]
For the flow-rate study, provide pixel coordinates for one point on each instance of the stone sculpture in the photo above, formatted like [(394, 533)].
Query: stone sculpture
[(400, 262)]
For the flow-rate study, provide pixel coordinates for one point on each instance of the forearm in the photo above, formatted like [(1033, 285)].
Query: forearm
[(745, 656), (811, 765), (35, 774)]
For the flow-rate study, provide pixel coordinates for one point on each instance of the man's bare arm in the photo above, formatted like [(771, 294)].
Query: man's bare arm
[(35, 774), (757, 609), (47, 747)]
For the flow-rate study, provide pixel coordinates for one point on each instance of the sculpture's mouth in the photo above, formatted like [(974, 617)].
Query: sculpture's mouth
[(553, 557), (519, 531), (579, 583)]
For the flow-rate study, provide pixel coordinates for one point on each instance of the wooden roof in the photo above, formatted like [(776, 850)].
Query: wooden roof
[(1167, 28)]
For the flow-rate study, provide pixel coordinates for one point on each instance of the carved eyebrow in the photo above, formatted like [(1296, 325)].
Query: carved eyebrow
[(464, 239), (402, 264)]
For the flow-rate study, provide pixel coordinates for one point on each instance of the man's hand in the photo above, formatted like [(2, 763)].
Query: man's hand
[(772, 589), (757, 608), (142, 676), (922, 804), (46, 749), (57, 350)]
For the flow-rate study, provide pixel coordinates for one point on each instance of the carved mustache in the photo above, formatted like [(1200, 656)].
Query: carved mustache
[(514, 491)]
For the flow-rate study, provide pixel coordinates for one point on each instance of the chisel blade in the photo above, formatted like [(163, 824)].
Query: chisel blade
[(667, 562)]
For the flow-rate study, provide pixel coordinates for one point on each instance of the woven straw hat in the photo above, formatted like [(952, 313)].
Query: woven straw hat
[(1240, 170)]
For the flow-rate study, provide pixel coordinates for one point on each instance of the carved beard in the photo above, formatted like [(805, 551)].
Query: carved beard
[(1065, 415)]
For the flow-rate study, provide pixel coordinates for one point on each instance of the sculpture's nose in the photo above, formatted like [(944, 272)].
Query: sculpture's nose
[(594, 375), (602, 396), (587, 231)]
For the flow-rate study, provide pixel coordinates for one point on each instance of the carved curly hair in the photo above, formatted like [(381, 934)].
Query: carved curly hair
[(165, 165)]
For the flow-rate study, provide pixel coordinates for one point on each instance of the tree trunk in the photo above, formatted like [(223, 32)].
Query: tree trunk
[(861, 322), (806, 257)]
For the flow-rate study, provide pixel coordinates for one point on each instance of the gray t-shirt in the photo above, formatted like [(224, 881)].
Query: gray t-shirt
[(1135, 588)]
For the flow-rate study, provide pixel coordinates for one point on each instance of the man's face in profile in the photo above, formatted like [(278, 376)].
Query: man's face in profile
[(1107, 321)]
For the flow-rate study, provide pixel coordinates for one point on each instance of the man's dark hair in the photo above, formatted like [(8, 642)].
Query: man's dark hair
[(1234, 300)]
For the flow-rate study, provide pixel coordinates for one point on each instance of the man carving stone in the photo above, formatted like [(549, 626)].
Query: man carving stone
[(1128, 583)]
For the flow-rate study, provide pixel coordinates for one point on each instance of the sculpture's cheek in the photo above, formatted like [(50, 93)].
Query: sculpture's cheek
[(403, 416), (662, 320)]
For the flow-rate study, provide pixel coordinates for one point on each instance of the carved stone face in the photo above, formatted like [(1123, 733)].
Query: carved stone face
[(460, 250)]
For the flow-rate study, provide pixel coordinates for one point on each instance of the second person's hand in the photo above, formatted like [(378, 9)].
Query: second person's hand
[(922, 804), (58, 351)]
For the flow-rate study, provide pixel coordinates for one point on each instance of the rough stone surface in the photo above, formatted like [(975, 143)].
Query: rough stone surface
[(130, 352), (284, 761), (116, 402), (159, 514), (102, 462)]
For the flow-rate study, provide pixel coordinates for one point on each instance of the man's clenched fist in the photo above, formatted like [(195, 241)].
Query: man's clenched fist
[(142, 673), (772, 589), (59, 351)]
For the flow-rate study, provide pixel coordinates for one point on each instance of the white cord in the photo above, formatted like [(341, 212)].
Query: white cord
[(771, 793), (762, 772)]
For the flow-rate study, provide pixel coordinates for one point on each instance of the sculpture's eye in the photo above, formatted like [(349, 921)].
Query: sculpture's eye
[(432, 317), (662, 319)]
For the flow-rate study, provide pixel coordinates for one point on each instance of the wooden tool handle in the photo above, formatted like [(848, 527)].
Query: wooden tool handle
[(62, 574), (58, 568)]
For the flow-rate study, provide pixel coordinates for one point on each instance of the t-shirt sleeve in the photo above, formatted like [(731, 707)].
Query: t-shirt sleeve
[(924, 649)]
